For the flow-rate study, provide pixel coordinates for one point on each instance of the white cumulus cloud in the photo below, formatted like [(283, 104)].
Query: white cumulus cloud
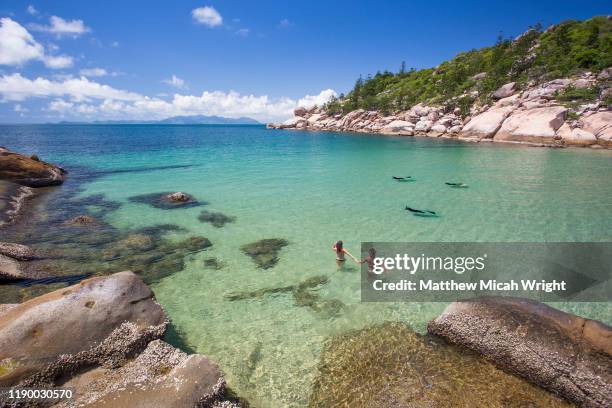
[(32, 10), (17, 46), (82, 96), (15, 87), (58, 61), (61, 27), (93, 72), (320, 99), (175, 82), (207, 15)]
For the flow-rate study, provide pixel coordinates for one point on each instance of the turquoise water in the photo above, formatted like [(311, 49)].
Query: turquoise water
[(313, 188)]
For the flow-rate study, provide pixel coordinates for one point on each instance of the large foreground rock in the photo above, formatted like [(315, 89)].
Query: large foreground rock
[(391, 366), (100, 321), (485, 125), (28, 171), (162, 376), (538, 125), (563, 353)]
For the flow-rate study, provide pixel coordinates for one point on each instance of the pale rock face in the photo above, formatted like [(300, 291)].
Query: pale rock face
[(547, 90), (479, 76), (582, 83), (534, 125), (599, 124), (433, 116), (437, 130), (486, 124), (420, 110), (423, 126), (605, 74), (314, 118), (445, 121), (398, 126), (509, 101), (289, 123), (505, 91), (455, 129), (576, 136)]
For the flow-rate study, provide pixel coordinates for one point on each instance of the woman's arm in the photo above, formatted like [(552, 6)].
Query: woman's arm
[(351, 255)]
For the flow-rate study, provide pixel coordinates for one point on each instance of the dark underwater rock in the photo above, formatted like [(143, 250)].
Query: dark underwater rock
[(82, 220), (389, 365), (195, 244), (213, 263), (217, 219), (564, 353), (265, 252), (12, 200), (304, 295), (167, 200)]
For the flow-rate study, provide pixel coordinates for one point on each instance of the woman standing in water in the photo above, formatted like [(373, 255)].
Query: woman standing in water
[(338, 248)]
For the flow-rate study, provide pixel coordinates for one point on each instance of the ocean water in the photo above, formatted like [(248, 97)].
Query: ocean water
[(313, 188)]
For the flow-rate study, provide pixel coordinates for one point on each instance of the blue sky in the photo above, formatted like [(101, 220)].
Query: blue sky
[(87, 60)]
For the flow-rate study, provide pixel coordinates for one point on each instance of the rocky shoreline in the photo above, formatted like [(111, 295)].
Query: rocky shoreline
[(531, 116)]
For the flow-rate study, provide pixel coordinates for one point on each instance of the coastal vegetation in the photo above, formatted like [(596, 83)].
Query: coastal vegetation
[(535, 56)]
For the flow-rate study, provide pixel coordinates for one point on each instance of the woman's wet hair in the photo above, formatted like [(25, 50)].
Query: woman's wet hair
[(339, 246), (372, 252)]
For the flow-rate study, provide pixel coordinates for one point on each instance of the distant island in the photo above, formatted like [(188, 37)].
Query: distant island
[(175, 120)]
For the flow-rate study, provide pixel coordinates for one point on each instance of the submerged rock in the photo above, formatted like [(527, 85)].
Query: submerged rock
[(12, 199), (10, 269), (391, 366), (563, 353), (303, 295), (265, 252), (213, 263), (28, 171), (217, 219), (17, 251), (82, 220), (101, 320), (167, 200), (195, 244)]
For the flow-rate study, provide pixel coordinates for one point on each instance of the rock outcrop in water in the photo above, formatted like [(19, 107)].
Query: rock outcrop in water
[(19, 177), (533, 116), (167, 200), (566, 354), (28, 171), (390, 366), (101, 337)]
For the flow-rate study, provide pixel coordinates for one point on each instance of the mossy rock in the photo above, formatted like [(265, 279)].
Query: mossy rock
[(390, 365), (164, 201), (216, 219), (265, 251)]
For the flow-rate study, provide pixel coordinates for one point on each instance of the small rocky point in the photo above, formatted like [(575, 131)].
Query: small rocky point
[(29, 171), (531, 115)]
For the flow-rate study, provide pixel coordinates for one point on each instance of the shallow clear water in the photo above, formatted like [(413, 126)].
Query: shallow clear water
[(312, 189)]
